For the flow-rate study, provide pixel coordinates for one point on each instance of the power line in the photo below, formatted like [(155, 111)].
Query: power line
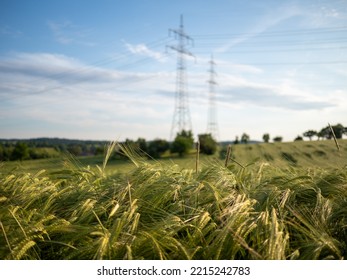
[(296, 42), (294, 32), (296, 63), (279, 50)]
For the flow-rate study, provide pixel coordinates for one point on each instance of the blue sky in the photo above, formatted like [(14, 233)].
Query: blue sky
[(102, 70)]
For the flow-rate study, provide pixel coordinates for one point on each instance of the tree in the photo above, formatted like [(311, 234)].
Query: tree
[(338, 130), (20, 151), (75, 149), (322, 133), (3, 153), (298, 138), (327, 133), (183, 143), (278, 139), (310, 134), (236, 141), (266, 137), (244, 138), (142, 145), (157, 147), (208, 145)]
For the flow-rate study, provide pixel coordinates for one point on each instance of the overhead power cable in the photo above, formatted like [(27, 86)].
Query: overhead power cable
[(295, 32)]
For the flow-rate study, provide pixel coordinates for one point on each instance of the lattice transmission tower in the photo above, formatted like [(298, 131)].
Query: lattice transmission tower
[(181, 118), (212, 126)]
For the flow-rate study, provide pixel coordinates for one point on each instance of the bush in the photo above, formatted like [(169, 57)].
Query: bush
[(208, 145), (183, 143), (157, 148), (20, 152)]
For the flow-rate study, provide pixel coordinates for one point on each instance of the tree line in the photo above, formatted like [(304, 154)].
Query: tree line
[(182, 144), (14, 149), (327, 132), (39, 148)]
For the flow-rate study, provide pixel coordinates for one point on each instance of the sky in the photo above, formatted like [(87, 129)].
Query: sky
[(106, 70)]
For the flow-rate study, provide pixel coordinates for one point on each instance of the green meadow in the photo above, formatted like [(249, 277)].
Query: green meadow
[(270, 201)]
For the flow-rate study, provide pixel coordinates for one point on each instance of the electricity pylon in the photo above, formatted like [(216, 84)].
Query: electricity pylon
[(181, 118), (212, 126)]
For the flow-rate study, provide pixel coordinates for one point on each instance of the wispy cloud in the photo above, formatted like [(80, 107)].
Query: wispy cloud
[(329, 13), (65, 32), (7, 30), (284, 96), (268, 97), (142, 49), (278, 15), (55, 89)]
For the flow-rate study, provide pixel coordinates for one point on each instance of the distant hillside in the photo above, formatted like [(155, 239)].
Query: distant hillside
[(229, 142), (300, 153), (51, 142)]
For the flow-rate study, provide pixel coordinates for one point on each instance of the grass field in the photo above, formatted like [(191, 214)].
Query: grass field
[(288, 201)]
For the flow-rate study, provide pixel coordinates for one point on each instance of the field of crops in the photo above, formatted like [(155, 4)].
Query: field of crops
[(298, 154), (159, 210)]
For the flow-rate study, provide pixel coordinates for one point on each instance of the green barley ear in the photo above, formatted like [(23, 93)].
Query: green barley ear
[(110, 148), (131, 153)]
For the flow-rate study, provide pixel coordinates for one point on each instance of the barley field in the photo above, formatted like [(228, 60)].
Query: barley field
[(257, 209)]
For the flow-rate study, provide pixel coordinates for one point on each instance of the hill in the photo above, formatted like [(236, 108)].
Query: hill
[(300, 153)]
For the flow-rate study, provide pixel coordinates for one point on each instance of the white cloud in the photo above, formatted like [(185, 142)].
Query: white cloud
[(142, 49), (48, 91), (325, 14), (59, 90)]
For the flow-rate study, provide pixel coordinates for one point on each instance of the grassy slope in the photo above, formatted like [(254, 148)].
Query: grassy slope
[(301, 154)]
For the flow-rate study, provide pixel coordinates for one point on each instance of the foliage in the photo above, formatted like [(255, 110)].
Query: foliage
[(20, 151), (278, 139), (208, 144), (74, 149), (309, 134), (245, 138), (266, 137), (142, 145), (49, 148), (5, 152), (338, 129), (298, 138), (159, 211), (183, 143), (157, 148)]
